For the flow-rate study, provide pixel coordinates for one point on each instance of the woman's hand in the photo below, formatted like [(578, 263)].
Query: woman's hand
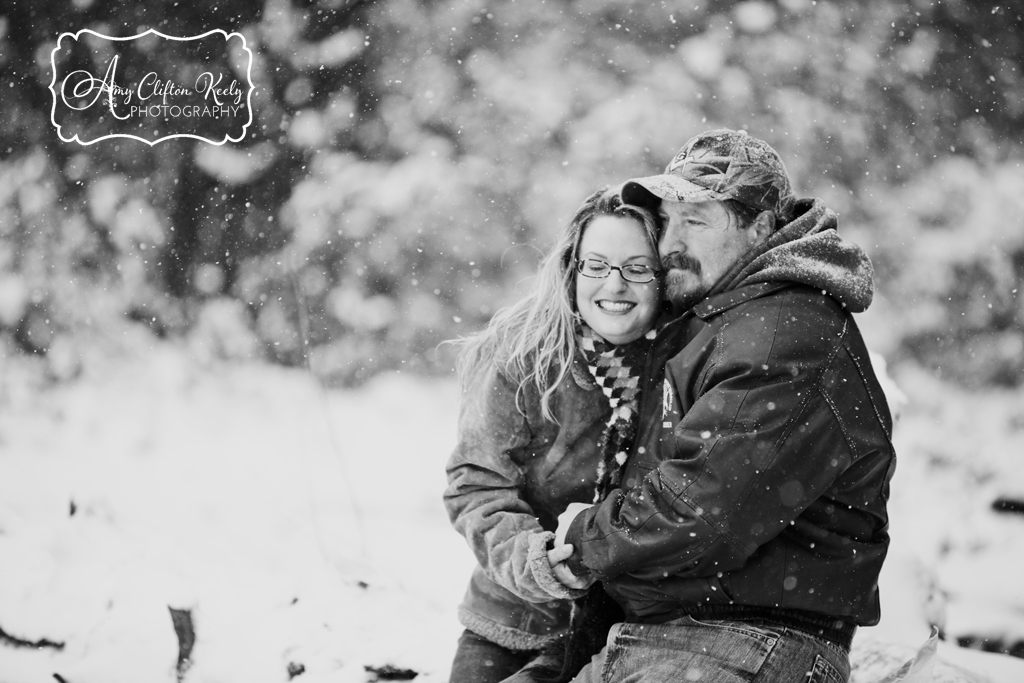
[(559, 554), (563, 551), (557, 557)]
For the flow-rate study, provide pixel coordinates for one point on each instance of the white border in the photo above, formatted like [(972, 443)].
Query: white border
[(227, 37)]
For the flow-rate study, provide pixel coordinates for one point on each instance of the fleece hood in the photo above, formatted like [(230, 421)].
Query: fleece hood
[(808, 250)]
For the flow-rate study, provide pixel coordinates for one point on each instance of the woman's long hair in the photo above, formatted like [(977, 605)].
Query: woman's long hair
[(534, 340)]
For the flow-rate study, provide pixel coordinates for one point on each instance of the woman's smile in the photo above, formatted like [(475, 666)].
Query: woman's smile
[(615, 307)]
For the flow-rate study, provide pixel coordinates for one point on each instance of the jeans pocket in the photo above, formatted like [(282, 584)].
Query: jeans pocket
[(613, 651), (824, 672), (748, 629), (727, 645)]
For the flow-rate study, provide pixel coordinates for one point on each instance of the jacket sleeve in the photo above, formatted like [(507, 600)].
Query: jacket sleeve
[(758, 444), (483, 497)]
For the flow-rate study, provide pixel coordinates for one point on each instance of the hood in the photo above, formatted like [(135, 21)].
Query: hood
[(808, 250)]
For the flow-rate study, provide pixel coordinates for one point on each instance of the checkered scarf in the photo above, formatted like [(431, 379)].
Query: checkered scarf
[(617, 370)]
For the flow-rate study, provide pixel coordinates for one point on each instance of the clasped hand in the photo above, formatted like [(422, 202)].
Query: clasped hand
[(557, 557), (563, 551)]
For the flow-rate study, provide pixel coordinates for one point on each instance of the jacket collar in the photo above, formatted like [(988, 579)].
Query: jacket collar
[(808, 250), (719, 303)]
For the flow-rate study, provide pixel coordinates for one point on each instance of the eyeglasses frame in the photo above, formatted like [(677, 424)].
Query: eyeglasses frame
[(579, 269)]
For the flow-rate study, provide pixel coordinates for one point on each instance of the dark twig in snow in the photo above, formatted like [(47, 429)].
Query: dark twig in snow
[(392, 673), (184, 629), (8, 639), (1003, 504)]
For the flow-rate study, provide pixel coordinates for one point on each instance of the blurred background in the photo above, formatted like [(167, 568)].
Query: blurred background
[(411, 160)]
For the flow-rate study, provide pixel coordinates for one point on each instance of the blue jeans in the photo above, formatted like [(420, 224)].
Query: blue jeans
[(689, 651)]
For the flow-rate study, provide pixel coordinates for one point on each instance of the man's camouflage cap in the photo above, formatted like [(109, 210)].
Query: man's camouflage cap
[(716, 165)]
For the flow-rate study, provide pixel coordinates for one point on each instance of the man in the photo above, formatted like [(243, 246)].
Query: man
[(751, 525)]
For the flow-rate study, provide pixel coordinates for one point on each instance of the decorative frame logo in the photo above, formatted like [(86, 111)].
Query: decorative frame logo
[(154, 87)]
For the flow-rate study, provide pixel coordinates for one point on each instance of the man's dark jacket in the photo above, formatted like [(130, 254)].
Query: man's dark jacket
[(761, 470)]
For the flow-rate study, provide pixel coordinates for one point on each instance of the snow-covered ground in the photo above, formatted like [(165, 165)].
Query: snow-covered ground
[(302, 528)]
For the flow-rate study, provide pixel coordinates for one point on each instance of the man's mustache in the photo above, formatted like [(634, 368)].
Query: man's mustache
[(680, 261)]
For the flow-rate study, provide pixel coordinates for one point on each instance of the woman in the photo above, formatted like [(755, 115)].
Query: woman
[(548, 406)]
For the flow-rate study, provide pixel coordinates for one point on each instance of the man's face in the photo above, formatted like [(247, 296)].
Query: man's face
[(700, 241)]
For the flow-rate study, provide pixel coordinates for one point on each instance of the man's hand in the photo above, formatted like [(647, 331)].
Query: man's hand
[(557, 557), (565, 520), (563, 551)]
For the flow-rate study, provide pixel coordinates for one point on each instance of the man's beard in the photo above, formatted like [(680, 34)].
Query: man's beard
[(684, 284)]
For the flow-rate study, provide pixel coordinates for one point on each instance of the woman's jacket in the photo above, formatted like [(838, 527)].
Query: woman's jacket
[(511, 474)]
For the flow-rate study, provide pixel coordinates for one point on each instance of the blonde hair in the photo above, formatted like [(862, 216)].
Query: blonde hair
[(533, 341)]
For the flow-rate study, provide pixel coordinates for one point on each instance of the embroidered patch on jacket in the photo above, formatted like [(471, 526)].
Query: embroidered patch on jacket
[(666, 404)]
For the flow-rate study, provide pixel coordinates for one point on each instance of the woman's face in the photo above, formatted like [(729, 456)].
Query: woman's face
[(618, 310)]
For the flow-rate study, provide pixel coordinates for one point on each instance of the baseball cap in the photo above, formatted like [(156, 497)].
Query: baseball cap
[(717, 165)]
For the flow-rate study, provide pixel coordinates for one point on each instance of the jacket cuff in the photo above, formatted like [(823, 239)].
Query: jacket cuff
[(506, 636), (574, 537), (542, 572)]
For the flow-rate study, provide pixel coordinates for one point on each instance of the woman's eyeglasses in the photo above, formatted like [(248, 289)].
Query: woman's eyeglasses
[(633, 272)]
